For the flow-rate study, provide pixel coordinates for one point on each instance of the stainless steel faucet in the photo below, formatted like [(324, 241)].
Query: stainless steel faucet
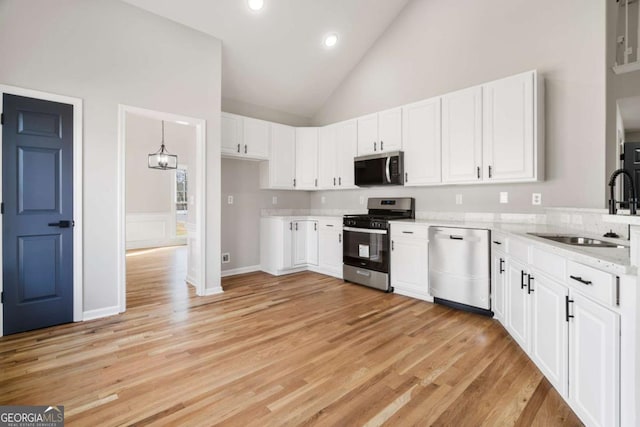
[(613, 204)]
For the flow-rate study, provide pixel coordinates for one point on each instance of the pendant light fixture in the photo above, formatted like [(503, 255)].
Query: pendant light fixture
[(161, 159)]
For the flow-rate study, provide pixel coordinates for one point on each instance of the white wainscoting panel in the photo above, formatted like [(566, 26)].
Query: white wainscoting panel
[(148, 230)]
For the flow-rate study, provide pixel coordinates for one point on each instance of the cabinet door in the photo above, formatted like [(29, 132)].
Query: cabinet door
[(282, 162), (498, 282), (462, 136), (330, 248), (508, 128), (549, 329), (311, 229), (368, 135), (256, 138), (518, 302), (231, 134), (299, 243), (306, 158), (421, 142), (288, 242), (409, 260), (327, 154), (594, 357), (346, 149), (390, 130)]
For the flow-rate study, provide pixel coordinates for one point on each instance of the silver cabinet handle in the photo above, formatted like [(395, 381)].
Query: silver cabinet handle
[(381, 145), (315, 226), (294, 182), (316, 182), (339, 238), (245, 148), (334, 181), (408, 232), (489, 171), (339, 180), (296, 226), (290, 226), (393, 245), (238, 148), (374, 146), (406, 177), (329, 225), (478, 172), (388, 171)]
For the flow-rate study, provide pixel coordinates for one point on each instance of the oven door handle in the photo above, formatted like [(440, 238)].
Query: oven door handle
[(365, 230), (388, 170)]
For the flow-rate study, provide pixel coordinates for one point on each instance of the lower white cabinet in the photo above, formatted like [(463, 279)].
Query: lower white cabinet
[(549, 329), (330, 247), (409, 260), (594, 357), (292, 244), (518, 317)]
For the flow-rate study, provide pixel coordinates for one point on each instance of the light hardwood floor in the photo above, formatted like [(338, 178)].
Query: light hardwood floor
[(303, 349)]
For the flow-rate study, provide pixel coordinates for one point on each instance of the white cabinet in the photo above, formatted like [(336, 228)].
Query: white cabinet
[(409, 260), (305, 242), (330, 247), (549, 329), (288, 245), (231, 134), (421, 139), (279, 171), (380, 132), (462, 136), (498, 285), (518, 317), (244, 137), (336, 149), (306, 158), (508, 128), (594, 357)]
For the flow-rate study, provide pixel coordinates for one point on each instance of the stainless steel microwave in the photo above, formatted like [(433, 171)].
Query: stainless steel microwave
[(379, 169)]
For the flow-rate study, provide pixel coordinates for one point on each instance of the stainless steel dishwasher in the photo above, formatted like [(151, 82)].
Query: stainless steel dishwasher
[(459, 268)]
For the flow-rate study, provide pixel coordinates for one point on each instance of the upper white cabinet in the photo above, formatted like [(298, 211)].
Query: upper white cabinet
[(336, 149), (494, 132), (380, 132), (462, 136), (244, 137), (508, 129), (306, 158), (421, 137), (279, 171)]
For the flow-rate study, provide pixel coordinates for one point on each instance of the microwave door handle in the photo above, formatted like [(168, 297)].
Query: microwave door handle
[(388, 170)]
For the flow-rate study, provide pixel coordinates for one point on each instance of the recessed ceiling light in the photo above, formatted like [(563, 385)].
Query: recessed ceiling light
[(256, 4), (330, 40)]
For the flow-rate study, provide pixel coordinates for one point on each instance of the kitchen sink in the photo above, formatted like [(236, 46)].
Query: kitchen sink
[(569, 239)]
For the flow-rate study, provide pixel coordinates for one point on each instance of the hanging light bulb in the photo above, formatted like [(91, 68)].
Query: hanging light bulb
[(161, 159)]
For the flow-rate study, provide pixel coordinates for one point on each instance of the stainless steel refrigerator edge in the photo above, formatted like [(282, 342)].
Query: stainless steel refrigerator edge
[(459, 266)]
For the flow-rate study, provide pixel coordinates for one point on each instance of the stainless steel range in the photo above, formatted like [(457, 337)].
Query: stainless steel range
[(366, 243)]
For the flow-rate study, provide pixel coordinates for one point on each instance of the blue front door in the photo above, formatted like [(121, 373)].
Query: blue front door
[(37, 222)]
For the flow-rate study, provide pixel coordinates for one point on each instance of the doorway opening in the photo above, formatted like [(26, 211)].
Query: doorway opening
[(161, 211)]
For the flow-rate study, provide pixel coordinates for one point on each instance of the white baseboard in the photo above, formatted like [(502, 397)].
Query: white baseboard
[(412, 294), (192, 281), (317, 269), (101, 312), (240, 270), (213, 291)]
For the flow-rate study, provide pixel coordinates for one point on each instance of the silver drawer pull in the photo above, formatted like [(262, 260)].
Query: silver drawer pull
[(408, 232), (581, 280), (452, 237)]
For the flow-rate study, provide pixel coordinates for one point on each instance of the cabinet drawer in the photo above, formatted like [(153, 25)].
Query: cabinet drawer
[(410, 230), (518, 249), (592, 282), (554, 265)]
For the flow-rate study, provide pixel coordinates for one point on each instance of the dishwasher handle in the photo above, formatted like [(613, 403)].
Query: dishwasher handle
[(454, 237)]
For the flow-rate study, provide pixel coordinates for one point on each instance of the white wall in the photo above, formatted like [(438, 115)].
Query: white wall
[(110, 53), (437, 46)]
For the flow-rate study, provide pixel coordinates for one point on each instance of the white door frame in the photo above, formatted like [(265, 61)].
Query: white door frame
[(200, 192), (78, 284)]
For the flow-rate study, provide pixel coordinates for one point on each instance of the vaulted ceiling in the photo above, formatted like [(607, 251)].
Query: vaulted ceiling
[(275, 58)]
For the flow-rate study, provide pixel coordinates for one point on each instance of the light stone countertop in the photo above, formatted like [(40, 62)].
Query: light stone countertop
[(613, 260)]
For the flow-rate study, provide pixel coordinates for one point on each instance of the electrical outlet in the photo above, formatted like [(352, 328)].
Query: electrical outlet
[(230, 200), (362, 200), (274, 200), (504, 197), (226, 257), (536, 199), (323, 200), (458, 199)]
